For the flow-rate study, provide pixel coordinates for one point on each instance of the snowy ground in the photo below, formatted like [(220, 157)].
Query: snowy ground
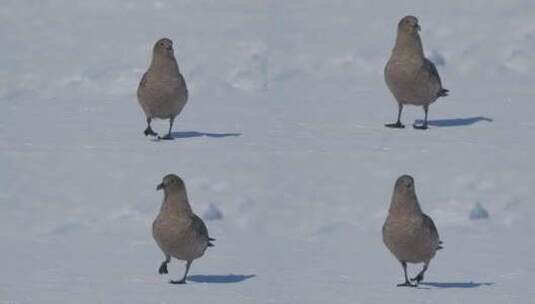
[(283, 135)]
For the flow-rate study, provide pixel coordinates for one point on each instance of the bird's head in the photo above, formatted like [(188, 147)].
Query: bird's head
[(171, 182), (404, 185), (409, 24), (164, 48)]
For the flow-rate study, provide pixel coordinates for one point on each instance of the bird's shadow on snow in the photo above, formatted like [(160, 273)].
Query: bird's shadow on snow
[(456, 284), (225, 278), (455, 122), (191, 134)]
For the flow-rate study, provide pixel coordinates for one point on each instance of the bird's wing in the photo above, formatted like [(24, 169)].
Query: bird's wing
[(183, 84), (431, 229), (200, 228), (431, 69), (143, 81), (431, 73)]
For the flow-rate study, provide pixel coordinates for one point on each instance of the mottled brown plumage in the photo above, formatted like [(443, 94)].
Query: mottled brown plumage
[(411, 77), (408, 233), (177, 230), (162, 92)]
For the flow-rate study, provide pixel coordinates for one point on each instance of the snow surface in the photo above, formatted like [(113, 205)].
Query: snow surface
[(282, 139)]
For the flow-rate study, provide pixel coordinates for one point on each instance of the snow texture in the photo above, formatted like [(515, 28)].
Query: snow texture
[(283, 132), (212, 213), (478, 212)]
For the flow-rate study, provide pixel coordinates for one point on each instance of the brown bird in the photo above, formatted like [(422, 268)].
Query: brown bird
[(408, 233), (162, 92), (412, 78), (177, 230)]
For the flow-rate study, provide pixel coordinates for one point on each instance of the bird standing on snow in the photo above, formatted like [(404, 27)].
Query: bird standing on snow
[(177, 230), (408, 233), (162, 92), (411, 77)]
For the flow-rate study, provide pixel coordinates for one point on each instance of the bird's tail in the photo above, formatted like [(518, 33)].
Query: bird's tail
[(210, 240), (439, 245), (443, 92)]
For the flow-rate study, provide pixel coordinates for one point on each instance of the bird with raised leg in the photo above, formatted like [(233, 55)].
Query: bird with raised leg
[(162, 92), (408, 233), (179, 232)]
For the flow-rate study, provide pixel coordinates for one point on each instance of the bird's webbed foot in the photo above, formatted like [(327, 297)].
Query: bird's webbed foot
[(420, 127), (418, 278), (407, 284), (396, 125), (149, 132), (163, 268)]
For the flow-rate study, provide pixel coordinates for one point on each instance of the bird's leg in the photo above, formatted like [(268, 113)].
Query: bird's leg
[(407, 282), (398, 123), (148, 131), (183, 280), (169, 136), (163, 267), (420, 275), (424, 125)]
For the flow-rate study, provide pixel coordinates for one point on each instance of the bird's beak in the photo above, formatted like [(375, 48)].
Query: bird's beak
[(160, 186), (418, 27)]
